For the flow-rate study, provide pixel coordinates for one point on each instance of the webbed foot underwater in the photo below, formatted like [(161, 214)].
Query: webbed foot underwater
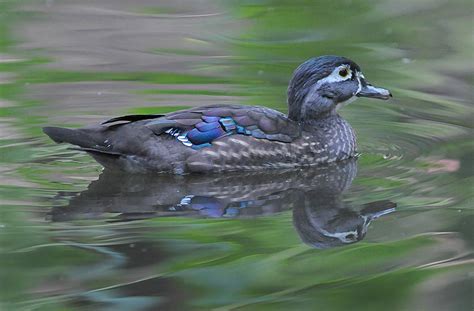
[(233, 137)]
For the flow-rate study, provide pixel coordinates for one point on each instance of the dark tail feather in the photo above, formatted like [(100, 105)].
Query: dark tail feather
[(86, 142), (72, 136)]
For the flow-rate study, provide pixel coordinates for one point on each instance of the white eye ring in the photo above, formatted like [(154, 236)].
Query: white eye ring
[(335, 76), (342, 73)]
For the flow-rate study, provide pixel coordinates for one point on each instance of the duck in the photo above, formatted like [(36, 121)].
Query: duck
[(220, 138)]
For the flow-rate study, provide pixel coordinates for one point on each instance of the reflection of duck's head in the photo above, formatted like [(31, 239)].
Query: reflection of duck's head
[(328, 221), (312, 193)]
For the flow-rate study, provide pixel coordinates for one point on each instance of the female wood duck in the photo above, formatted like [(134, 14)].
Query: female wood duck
[(233, 137)]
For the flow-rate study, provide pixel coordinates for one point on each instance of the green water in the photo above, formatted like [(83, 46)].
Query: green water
[(391, 231)]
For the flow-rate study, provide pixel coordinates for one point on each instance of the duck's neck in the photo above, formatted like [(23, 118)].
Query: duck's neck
[(314, 108), (330, 122), (313, 117)]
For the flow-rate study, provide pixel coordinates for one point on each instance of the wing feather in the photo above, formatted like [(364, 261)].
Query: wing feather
[(202, 125)]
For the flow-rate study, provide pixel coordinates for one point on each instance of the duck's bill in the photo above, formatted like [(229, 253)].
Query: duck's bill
[(371, 91)]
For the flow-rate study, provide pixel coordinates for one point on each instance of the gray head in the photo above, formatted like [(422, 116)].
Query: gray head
[(323, 84)]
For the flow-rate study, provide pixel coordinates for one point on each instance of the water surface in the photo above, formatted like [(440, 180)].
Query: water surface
[(391, 230)]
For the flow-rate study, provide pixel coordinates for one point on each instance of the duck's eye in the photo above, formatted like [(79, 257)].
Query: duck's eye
[(343, 72)]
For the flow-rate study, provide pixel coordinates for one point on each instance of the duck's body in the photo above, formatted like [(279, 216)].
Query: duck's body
[(210, 139), (234, 137)]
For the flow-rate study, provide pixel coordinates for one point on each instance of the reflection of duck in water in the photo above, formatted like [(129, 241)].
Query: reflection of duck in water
[(330, 222), (320, 215)]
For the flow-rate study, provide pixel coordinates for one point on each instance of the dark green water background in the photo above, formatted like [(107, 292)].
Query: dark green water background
[(247, 242)]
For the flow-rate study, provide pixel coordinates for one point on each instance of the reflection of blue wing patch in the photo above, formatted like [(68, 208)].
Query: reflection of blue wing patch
[(213, 207)]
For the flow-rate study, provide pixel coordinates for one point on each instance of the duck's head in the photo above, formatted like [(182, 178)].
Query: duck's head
[(323, 84)]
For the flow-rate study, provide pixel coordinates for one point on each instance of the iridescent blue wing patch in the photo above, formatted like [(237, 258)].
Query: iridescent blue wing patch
[(199, 127)]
